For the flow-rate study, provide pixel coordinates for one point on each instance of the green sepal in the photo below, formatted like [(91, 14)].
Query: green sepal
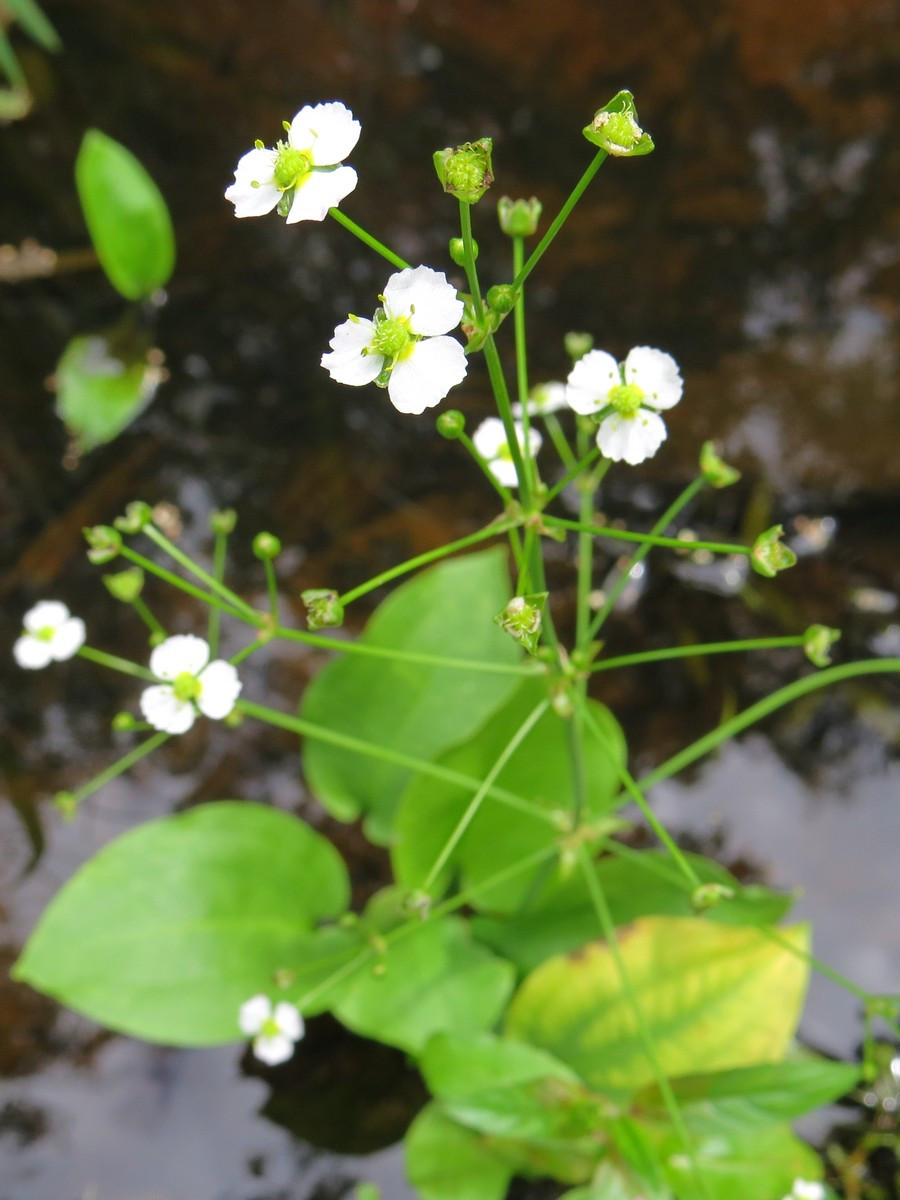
[(716, 471), (817, 643), (323, 609), (125, 585), (615, 128), (521, 619), (466, 171), (769, 555)]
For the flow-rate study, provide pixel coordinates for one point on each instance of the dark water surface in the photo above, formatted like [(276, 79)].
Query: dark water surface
[(760, 245)]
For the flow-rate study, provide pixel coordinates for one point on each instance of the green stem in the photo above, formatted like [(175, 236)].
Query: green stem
[(125, 763), (249, 649), (115, 663), (355, 745), (518, 248), (182, 584), (574, 471), (680, 502), (370, 241), (272, 589), (190, 566), (756, 712), (560, 218), (558, 438), (420, 560), (411, 656), (469, 815), (648, 656), (503, 492), (220, 548), (648, 539), (585, 562), (139, 604), (604, 917)]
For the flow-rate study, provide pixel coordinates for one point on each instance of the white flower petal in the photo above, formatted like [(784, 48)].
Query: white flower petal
[(164, 711), (504, 471), (182, 654), (288, 1019), (254, 192), (347, 363), (590, 381), (31, 652), (253, 1013), (273, 1049), (489, 438), (219, 688), (426, 297), (68, 639), (656, 374), (319, 191), (421, 381), (46, 614), (544, 398), (329, 131), (631, 439)]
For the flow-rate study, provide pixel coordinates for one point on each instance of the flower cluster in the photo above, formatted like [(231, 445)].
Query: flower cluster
[(302, 176), (274, 1028), (190, 683), (627, 399), (404, 346), (50, 634)]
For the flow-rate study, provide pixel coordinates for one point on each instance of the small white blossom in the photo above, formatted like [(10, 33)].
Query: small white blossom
[(403, 345), (806, 1189), (544, 398), (50, 634), (191, 683), (274, 1029), (489, 439), (303, 175), (628, 399)]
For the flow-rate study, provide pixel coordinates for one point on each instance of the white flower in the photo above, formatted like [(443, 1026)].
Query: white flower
[(806, 1189), (647, 383), (303, 175), (51, 634), (276, 1029), (489, 439), (192, 683), (403, 343), (544, 398)]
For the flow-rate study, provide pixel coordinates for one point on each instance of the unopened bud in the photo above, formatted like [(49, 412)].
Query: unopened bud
[(323, 610), (266, 546), (577, 345), (125, 585), (222, 521), (458, 251), (716, 471), (502, 297), (466, 172), (104, 543), (519, 218), (67, 804), (615, 128), (769, 556), (138, 515), (124, 722), (450, 424), (817, 643)]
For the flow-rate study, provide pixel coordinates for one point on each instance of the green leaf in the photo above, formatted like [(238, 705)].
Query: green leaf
[(417, 709), (126, 216), (170, 927), (561, 916), (752, 1097), (500, 836), (722, 995), (428, 980), (761, 1164), (35, 24), (459, 1065), (446, 1162), (102, 385)]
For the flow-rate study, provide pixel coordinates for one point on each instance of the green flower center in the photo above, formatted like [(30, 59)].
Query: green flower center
[(45, 633), (626, 399), (393, 338), (504, 454), (186, 686), (269, 1028), (291, 167)]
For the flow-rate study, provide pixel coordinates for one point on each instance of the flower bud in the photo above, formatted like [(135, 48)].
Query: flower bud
[(817, 643), (577, 345), (323, 611), (450, 424), (125, 722), (466, 172), (708, 895), (126, 585), (502, 297), (222, 521), (521, 619), (266, 546), (519, 218), (67, 803), (715, 471), (138, 515), (458, 251), (104, 543), (615, 128), (768, 556)]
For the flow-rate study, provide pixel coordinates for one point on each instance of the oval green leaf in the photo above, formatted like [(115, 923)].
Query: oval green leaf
[(126, 216), (170, 927), (446, 1162)]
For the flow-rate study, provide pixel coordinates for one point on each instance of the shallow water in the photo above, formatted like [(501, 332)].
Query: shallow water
[(759, 244)]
